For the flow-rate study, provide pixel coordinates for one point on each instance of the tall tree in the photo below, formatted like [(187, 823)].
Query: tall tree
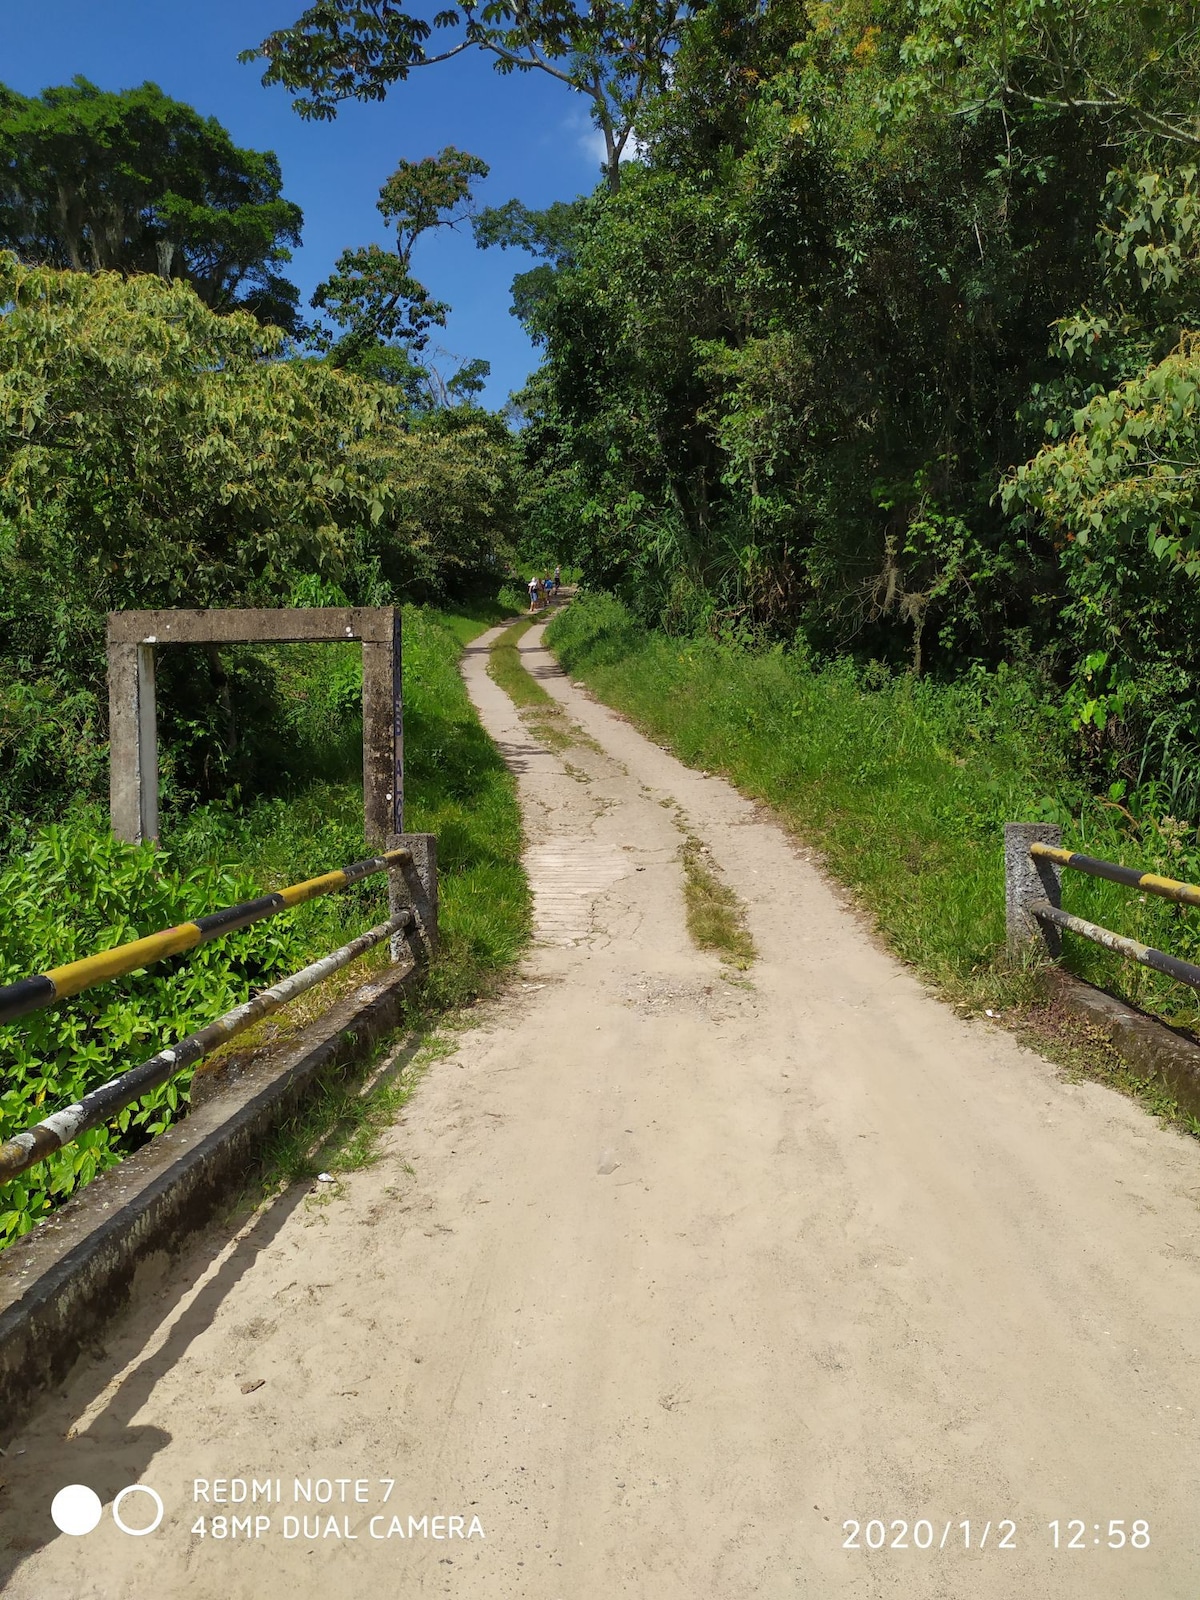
[(615, 52), (135, 182), (548, 235), (383, 311)]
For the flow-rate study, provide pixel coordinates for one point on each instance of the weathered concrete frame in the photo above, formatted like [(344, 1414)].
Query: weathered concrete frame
[(133, 637)]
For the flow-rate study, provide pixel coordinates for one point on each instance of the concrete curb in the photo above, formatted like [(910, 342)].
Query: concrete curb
[(1151, 1048), (64, 1282)]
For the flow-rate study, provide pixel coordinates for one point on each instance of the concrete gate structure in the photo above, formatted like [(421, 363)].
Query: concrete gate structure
[(133, 637)]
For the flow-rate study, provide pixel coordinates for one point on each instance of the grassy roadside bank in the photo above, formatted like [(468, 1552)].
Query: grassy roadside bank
[(904, 788), (75, 890), (455, 786)]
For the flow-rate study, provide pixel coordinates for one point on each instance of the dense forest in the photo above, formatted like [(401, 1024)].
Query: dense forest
[(172, 432), (875, 340), (883, 347)]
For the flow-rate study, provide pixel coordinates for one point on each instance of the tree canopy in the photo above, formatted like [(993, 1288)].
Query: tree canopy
[(154, 453), (616, 54), (888, 346), (137, 182)]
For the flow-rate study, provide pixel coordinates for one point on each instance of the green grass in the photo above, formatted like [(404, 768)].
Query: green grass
[(904, 786), (540, 711), (716, 918), (456, 786), (506, 669), (468, 620), (340, 1124)]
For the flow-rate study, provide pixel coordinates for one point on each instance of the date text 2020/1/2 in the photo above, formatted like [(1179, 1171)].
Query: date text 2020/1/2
[(925, 1534)]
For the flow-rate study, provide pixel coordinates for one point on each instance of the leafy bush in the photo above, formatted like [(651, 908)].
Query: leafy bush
[(1119, 495), (74, 892), (788, 366)]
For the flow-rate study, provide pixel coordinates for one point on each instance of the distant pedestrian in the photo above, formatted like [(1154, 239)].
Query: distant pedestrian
[(533, 594), (557, 579)]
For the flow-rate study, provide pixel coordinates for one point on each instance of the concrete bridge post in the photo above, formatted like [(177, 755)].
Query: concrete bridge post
[(415, 884), (1027, 879)]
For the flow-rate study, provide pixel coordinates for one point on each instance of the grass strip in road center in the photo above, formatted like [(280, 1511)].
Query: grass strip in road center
[(545, 717), (506, 669), (904, 786), (716, 918)]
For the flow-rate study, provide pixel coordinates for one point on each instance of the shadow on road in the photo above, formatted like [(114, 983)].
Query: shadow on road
[(518, 756), (113, 1451)]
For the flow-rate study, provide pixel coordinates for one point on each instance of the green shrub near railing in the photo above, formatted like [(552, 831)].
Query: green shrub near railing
[(73, 890), (71, 893)]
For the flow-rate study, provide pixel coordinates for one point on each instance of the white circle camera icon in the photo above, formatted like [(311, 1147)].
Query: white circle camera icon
[(76, 1509), (138, 1488)]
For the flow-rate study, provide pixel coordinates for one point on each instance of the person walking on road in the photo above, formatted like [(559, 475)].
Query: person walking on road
[(533, 594)]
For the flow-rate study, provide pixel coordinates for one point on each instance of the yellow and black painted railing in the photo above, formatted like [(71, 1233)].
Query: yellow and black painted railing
[(17, 1155), (1033, 867), (99, 1105), (1146, 955), (31, 994), (1184, 894)]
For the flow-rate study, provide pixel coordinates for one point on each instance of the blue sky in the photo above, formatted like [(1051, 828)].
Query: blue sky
[(533, 132)]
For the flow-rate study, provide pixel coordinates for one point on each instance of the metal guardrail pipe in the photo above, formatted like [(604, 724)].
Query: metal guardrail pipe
[(99, 1105), (1184, 894), (32, 994), (1184, 971)]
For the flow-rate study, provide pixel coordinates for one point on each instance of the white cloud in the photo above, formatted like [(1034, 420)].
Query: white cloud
[(591, 141)]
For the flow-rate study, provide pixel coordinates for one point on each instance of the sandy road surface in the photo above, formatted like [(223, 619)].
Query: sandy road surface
[(665, 1279)]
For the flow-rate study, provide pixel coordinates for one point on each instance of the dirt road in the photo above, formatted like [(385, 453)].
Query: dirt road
[(672, 1284)]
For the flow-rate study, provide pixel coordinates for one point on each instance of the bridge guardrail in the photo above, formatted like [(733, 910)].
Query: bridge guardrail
[(1034, 861), (18, 999), (43, 989)]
